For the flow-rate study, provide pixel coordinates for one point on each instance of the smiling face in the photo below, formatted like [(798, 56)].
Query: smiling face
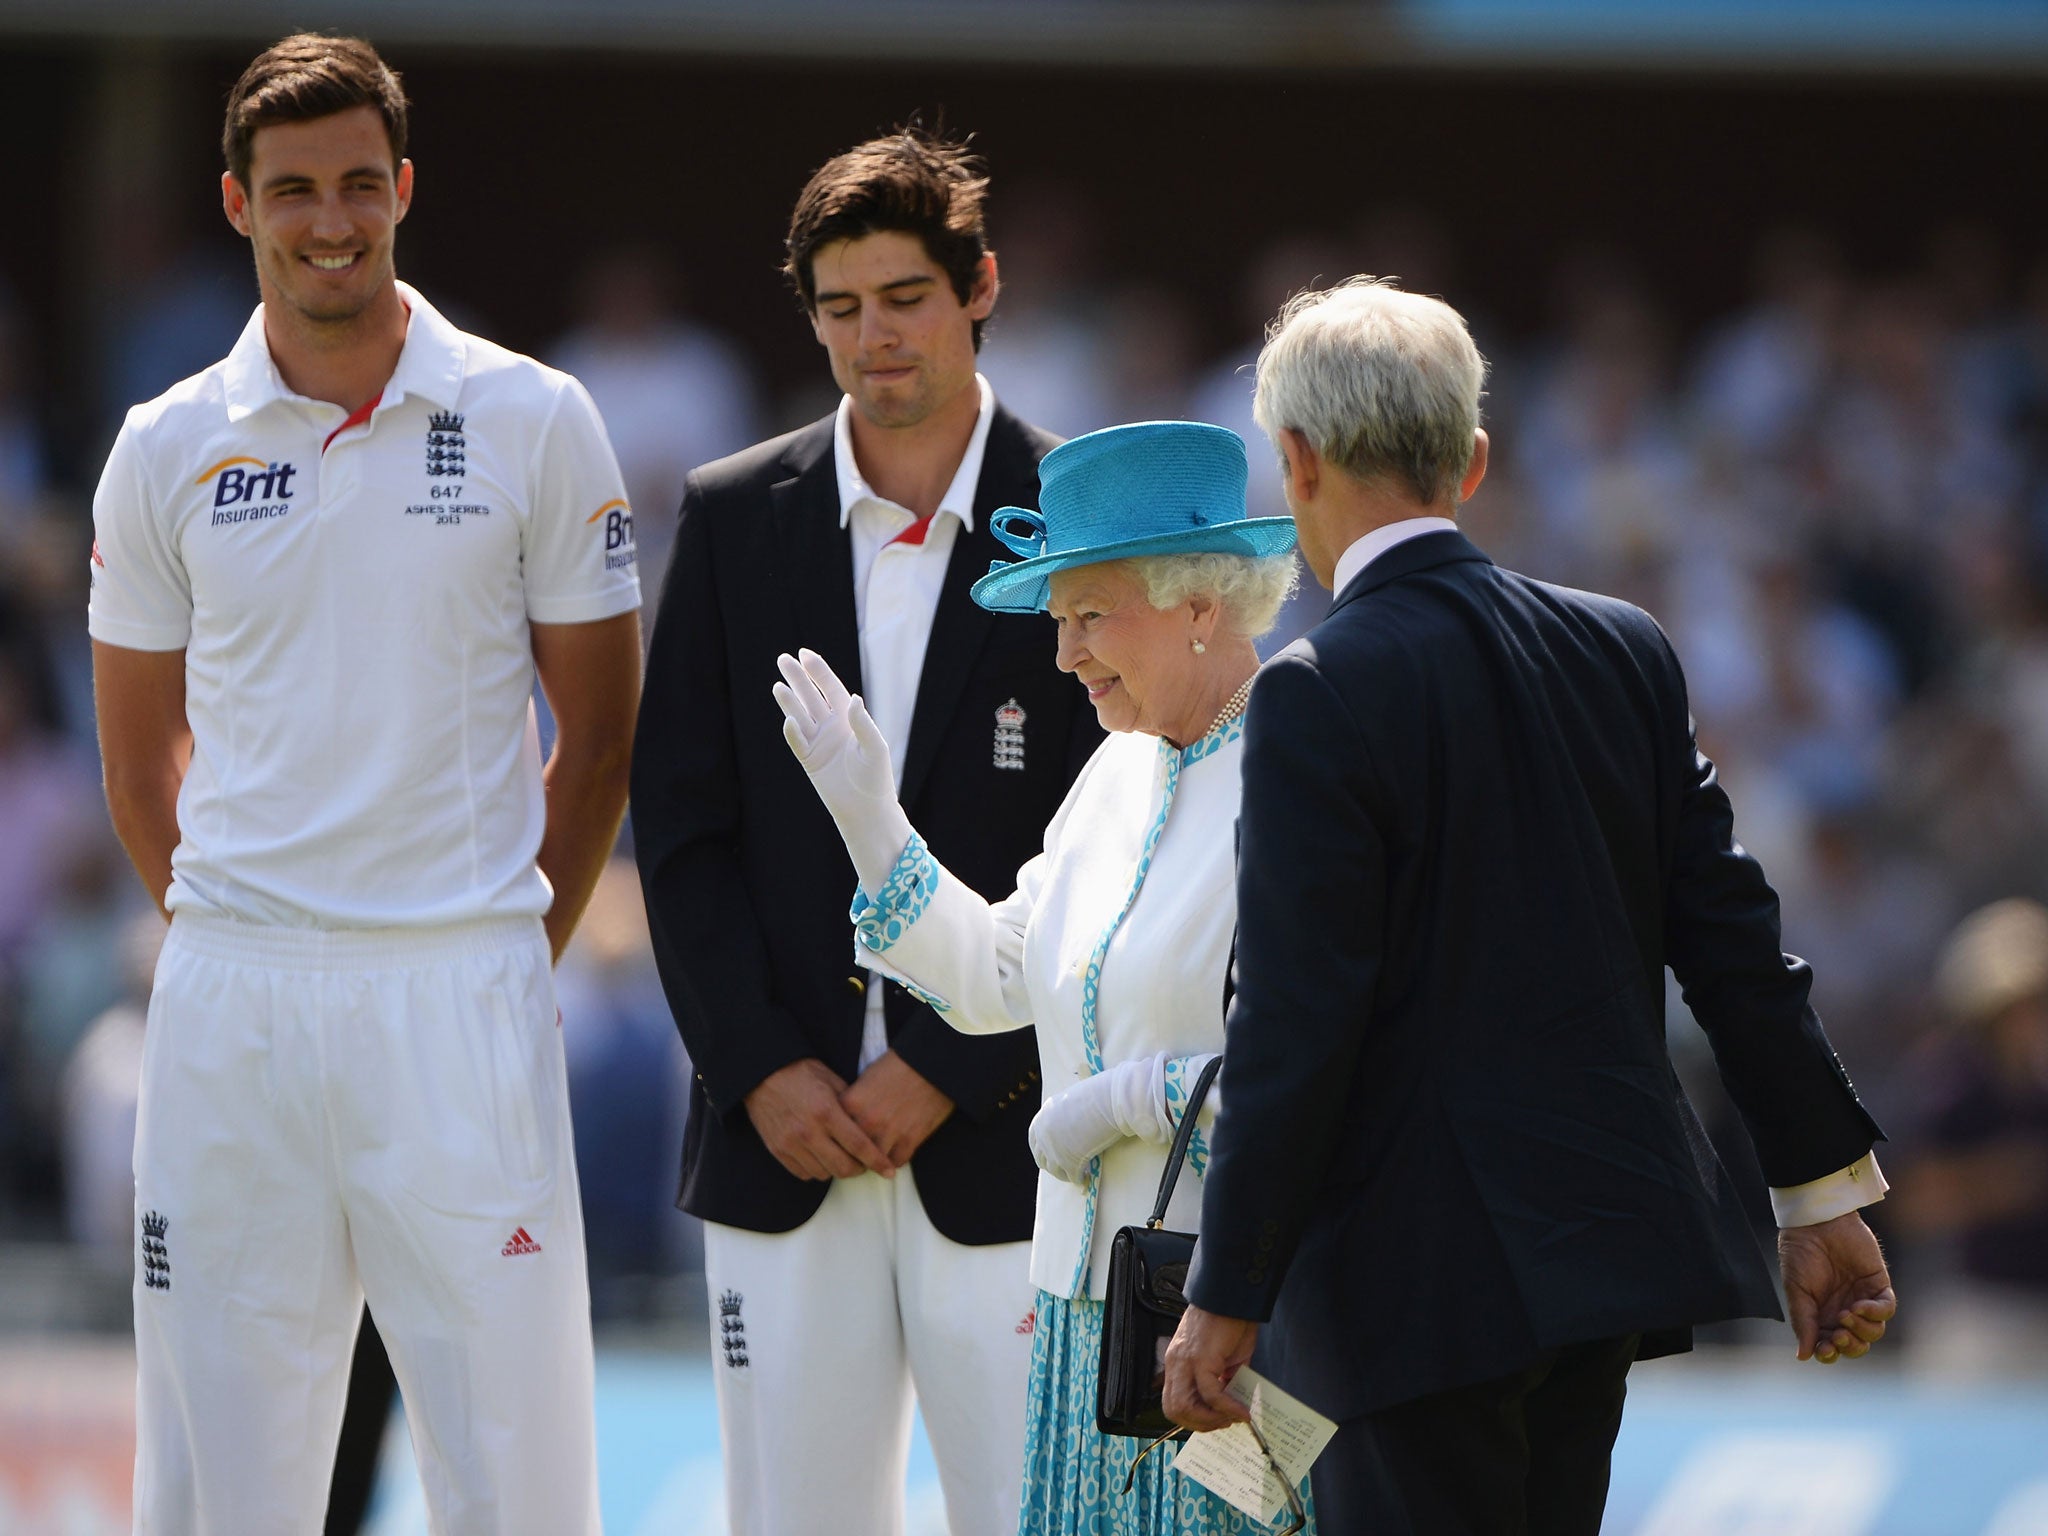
[(1137, 662), (321, 209), (900, 340)]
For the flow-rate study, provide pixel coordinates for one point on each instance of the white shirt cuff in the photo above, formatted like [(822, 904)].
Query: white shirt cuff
[(1850, 1189)]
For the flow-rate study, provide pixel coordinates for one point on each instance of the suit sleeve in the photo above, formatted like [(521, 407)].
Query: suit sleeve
[(1723, 943), (981, 1074), (686, 816), (1311, 903)]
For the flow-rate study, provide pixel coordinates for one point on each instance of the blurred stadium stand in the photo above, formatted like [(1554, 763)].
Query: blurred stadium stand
[(1766, 292), (1233, 33)]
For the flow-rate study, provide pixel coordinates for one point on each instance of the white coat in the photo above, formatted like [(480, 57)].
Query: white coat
[(1026, 960)]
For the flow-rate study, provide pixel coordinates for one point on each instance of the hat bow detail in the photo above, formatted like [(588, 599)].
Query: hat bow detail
[(1031, 543)]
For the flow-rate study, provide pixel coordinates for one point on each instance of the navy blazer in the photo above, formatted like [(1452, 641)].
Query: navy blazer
[(1476, 829), (746, 880)]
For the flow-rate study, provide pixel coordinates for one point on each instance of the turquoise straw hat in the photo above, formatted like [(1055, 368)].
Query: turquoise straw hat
[(1151, 488)]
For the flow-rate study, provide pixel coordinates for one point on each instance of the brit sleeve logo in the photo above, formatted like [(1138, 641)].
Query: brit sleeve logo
[(619, 549)]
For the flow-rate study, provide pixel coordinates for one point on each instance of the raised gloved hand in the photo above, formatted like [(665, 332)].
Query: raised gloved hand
[(1128, 1099), (842, 749)]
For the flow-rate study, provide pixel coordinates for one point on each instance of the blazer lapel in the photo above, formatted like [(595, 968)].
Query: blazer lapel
[(814, 555), (1405, 559), (960, 626)]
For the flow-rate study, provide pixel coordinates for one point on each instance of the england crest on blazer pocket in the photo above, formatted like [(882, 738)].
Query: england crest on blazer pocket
[(1010, 719)]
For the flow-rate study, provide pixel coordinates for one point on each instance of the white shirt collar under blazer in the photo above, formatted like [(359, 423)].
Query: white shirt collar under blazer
[(959, 497), (1379, 541)]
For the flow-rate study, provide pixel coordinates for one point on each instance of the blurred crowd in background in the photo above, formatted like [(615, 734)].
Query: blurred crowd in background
[(1834, 498)]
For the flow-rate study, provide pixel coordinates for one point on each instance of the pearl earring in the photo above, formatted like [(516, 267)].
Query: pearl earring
[(1201, 649)]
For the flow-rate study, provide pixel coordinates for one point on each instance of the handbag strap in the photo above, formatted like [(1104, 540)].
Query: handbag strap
[(1170, 1174)]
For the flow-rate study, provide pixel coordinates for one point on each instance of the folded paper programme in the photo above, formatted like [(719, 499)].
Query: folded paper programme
[(1229, 1463)]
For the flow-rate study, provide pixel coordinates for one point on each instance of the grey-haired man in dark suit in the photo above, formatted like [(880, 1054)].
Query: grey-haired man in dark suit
[(1453, 1175)]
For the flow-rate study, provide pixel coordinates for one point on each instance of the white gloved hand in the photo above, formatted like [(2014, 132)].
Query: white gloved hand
[(1128, 1099), (842, 749)]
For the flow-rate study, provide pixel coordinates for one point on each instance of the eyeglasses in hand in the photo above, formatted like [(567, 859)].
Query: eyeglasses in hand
[(1297, 1512)]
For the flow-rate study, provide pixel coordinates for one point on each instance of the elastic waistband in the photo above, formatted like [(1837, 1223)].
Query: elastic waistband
[(352, 949)]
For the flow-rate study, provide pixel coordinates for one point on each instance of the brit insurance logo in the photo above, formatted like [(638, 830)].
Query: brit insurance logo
[(619, 548), (247, 490)]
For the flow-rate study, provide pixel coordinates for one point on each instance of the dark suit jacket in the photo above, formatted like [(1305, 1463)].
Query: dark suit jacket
[(747, 882), (1476, 829)]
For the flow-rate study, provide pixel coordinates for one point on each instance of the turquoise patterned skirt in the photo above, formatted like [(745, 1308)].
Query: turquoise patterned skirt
[(1073, 1473)]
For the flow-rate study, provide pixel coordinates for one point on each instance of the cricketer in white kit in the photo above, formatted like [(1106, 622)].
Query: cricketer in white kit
[(327, 572)]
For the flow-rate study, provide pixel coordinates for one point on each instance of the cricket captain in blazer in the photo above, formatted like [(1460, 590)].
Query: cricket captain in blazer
[(1453, 1173), (863, 1169), (995, 728)]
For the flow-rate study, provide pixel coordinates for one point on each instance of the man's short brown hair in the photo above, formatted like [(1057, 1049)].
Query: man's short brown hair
[(913, 181), (305, 77)]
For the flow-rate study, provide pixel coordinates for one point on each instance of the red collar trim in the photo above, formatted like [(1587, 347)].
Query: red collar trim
[(356, 418), (915, 533)]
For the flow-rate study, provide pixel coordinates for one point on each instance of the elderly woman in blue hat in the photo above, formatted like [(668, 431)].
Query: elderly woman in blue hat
[(1116, 941)]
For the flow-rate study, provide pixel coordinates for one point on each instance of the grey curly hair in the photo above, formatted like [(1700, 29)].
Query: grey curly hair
[(1249, 589)]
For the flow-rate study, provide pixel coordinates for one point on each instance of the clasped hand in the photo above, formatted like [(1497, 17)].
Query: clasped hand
[(818, 1126)]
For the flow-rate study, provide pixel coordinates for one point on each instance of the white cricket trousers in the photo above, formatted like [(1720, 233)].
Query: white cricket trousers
[(819, 1337), (330, 1115)]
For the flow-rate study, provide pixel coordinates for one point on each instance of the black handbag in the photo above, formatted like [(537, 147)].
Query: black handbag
[(1148, 1267)]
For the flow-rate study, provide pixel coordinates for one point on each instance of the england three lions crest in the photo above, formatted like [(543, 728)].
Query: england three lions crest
[(447, 447), (1010, 736)]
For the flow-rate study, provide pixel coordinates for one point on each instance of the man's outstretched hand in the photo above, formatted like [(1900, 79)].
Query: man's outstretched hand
[(1837, 1289)]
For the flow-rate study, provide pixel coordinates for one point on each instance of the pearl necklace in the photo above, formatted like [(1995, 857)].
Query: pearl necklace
[(1232, 706)]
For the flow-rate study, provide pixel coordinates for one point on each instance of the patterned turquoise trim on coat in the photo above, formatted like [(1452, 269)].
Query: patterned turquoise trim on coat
[(1174, 759), (1181, 1073), (880, 920), (1091, 996), (1074, 1474), (936, 1004), (1215, 741)]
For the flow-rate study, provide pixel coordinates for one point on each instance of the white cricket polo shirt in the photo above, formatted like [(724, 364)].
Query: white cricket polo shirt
[(355, 620)]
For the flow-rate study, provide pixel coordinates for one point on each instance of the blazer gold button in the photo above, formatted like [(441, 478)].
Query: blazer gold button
[(857, 984)]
